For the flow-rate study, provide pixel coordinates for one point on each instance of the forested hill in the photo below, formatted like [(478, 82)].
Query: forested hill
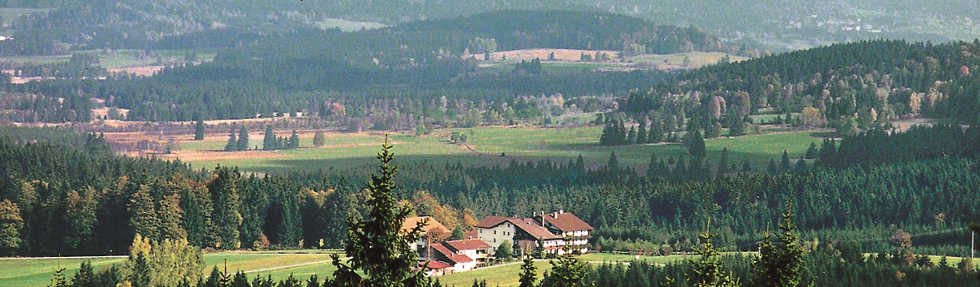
[(419, 60), (851, 87), (514, 29)]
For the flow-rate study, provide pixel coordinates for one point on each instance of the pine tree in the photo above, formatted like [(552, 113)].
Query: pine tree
[(199, 130), (224, 193), (318, 139), (781, 262), (631, 136), (568, 271), (242, 138), (294, 140), (613, 164), (801, 165), (269, 141), (85, 276), (528, 272), (232, 144), (695, 145), (142, 214), (723, 163), (377, 246), (641, 132), (656, 133), (811, 152), (784, 164), (772, 169), (707, 270)]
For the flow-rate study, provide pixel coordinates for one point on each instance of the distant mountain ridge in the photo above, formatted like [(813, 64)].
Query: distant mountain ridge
[(767, 24)]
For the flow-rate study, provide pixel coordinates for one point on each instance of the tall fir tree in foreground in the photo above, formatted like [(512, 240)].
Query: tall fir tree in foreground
[(377, 247), (567, 271), (707, 270), (781, 262), (528, 272)]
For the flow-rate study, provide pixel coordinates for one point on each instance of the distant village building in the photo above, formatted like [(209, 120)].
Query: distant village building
[(544, 233)]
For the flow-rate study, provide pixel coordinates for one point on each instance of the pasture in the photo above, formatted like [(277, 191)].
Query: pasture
[(24, 272), (485, 146)]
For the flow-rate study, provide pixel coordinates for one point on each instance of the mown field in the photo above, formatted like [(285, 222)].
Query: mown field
[(486, 146), (113, 60), (301, 264)]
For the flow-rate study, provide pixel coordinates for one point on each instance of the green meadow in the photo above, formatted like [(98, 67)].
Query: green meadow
[(18, 272), (490, 146)]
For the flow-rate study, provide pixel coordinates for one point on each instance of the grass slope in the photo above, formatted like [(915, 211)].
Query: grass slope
[(485, 147)]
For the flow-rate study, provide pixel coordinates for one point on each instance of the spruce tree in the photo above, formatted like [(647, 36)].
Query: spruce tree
[(784, 164), (242, 138), (568, 271), (641, 132), (801, 165), (199, 130), (294, 140), (780, 262), (707, 270), (656, 133), (631, 136), (232, 144), (269, 141), (772, 169), (696, 145), (377, 246), (723, 163), (528, 272), (613, 164), (226, 217), (811, 152)]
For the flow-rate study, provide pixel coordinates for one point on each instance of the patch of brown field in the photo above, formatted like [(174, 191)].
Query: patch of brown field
[(196, 155), (543, 54), (141, 71)]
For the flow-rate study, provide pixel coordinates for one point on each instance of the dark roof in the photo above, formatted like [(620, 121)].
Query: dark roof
[(467, 244), (566, 221), (448, 254), (531, 227), (491, 221)]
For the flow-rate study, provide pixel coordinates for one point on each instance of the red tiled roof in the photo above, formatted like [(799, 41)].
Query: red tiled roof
[(445, 252), (472, 234), (436, 265), (566, 222), (467, 244)]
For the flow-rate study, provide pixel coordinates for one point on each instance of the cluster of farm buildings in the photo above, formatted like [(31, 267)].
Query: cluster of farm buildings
[(542, 234)]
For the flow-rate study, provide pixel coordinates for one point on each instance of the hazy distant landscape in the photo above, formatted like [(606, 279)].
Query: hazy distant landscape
[(489, 143)]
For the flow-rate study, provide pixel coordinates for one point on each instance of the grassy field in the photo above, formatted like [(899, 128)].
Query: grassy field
[(696, 59), (10, 14), (486, 146), (303, 263), (111, 60)]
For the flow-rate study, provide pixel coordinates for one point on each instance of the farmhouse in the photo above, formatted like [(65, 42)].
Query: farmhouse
[(568, 226), (545, 232)]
